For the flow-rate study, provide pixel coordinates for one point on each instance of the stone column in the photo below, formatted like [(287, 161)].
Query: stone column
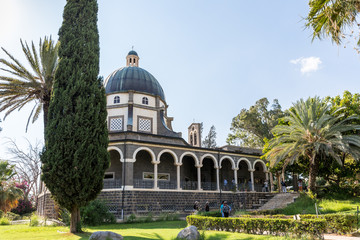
[(178, 176), (155, 175), (252, 179), (199, 177), (217, 179), (235, 178)]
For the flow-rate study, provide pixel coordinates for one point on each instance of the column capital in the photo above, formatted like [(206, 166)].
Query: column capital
[(235, 169), (251, 170), (198, 166), (155, 162), (178, 164)]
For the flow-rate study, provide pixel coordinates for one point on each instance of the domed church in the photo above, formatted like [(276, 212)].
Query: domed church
[(153, 169)]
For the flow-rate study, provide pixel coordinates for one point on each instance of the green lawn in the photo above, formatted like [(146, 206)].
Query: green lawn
[(136, 231)]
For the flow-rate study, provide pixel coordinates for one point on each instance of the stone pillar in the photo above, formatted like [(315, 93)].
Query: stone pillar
[(252, 179), (235, 178), (199, 177), (217, 179), (155, 175), (271, 182), (178, 176)]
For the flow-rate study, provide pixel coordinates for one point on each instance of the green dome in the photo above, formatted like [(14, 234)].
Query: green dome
[(135, 79)]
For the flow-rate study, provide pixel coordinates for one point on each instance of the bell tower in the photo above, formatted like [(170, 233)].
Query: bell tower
[(194, 132)]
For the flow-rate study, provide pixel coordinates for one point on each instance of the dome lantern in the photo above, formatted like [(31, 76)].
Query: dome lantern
[(132, 59)]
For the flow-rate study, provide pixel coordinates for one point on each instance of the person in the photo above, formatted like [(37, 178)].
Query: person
[(283, 186), (196, 206), (207, 207), (233, 184), (226, 209), (249, 185), (221, 208), (266, 186), (300, 186), (225, 184)]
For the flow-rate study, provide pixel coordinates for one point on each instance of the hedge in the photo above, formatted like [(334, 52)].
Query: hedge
[(337, 223), (272, 226)]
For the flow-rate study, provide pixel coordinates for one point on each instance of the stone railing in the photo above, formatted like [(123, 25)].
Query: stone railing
[(109, 184)]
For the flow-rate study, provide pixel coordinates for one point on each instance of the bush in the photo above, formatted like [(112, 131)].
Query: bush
[(1, 214), (96, 213), (131, 218), (64, 216), (12, 216), (209, 214), (4, 221), (337, 223), (272, 226), (34, 221), (24, 206)]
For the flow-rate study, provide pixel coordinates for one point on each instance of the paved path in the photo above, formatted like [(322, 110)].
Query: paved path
[(338, 237)]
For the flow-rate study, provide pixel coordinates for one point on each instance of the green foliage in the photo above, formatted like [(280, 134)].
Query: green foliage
[(337, 223), (272, 226), (4, 221), (76, 138), (209, 214), (131, 218), (250, 127), (1, 214), (96, 213), (313, 135), (26, 86), (210, 139), (64, 216), (333, 18), (34, 221), (12, 216)]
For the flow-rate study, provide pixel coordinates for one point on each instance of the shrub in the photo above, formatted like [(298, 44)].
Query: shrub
[(4, 221), (209, 214), (64, 216), (272, 226), (96, 213), (12, 216), (24, 206), (34, 221), (337, 223), (131, 218), (1, 214)]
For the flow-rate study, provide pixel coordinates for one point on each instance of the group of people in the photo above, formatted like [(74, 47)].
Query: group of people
[(225, 209), (301, 186)]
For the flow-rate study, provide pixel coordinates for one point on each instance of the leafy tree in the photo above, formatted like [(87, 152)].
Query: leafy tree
[(9, 193), (75, 156), (24, 86), (333, 18), (311, 133), (250, 127), (210, 139)]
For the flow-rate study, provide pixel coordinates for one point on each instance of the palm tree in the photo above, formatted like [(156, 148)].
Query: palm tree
[(9, 193), (24, 86), (332, 18), (312, 133)]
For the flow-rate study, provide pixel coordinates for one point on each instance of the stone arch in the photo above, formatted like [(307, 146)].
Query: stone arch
[(209, 156), (167, 151), (247, 162), (192, 155), (231, 160), (118, 150), (262, 163), (152, 154)]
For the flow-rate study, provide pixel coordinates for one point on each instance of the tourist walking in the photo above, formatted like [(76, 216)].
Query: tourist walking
[(207, 207), (266, 186), (196, 206), (226, 209), (225, 184), (221, 208), (300, 185), (283, 186)]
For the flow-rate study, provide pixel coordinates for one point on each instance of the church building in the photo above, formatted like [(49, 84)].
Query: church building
[(153, 169)]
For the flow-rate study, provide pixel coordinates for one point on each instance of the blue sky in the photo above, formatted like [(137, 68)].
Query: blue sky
[(212, 58)]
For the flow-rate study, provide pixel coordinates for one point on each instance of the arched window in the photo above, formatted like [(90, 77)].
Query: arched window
[(191, 139), (195, 139), (116, 99), (145, 100)]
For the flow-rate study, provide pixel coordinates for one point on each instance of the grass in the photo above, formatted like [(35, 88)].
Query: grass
[(305, 205), (136, 231)]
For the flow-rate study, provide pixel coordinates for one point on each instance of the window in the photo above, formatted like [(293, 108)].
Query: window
[(109, 176), (144, 124), (195, 139), (161, 176), (145, 100), (191, 139), (116, 123), (116, 99)]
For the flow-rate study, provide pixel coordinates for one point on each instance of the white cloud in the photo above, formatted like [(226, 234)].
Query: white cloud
[(309, 64)]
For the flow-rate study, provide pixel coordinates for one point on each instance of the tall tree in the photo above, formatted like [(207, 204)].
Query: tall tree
[(210, 139), (250, 127), (336, 19), (23, 86), (313, 134), (9, 193), (75, 156)]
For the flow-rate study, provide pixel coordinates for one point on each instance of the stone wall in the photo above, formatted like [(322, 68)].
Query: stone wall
[(158, 202), (46, 206)]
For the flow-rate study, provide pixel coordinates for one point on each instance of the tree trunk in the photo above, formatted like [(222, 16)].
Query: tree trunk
[(75, 220), (46, 110), (313, 170), (278, 182)]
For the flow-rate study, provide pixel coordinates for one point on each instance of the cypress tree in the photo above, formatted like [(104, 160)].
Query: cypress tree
[(75, 156)]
